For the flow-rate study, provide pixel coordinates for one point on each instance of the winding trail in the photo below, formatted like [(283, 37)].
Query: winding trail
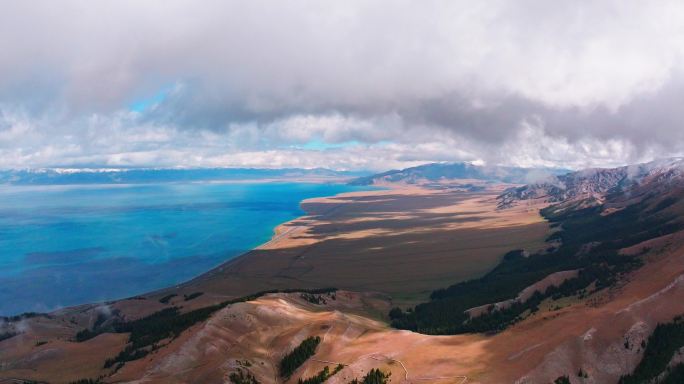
[(381, 357)]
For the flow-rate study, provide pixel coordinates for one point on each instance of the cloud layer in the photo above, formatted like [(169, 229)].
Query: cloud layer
[(380, 84)]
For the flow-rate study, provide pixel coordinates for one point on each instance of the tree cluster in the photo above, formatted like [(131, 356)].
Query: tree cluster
[(298, 356), (374, 376), (242, 377), (665, 340), (589, 242), (322, 375)]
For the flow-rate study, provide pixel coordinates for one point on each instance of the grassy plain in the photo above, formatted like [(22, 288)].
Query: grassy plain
[(404, 242)]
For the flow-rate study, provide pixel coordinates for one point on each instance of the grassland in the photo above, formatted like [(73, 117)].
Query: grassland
[(403, 242)]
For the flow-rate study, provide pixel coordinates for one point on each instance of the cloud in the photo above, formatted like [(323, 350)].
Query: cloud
[(222, 83)]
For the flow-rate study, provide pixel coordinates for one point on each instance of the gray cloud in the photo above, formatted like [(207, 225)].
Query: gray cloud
[(534, 83)]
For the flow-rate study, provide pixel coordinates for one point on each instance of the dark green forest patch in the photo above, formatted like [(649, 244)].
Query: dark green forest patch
[(589, 242)]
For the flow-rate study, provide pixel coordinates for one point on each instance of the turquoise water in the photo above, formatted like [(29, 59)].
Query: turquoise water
[(67, 245)]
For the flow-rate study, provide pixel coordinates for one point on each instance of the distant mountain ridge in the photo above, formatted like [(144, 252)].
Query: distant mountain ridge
[(451, 171), (595, 183), (58, 176)]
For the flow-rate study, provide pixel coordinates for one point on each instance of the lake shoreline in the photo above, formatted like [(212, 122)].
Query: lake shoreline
[(172, 223), (344, 240)]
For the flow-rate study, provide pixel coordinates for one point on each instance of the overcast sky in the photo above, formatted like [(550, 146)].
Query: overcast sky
[(344, 84)]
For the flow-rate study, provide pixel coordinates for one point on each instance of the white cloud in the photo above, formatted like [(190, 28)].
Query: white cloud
[(528, 83)]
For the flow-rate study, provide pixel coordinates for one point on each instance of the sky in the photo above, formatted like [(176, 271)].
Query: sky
[(347, 85)]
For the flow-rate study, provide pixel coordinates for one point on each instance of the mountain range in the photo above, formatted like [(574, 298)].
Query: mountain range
[(55, 176), (594, 184), (441, 172)]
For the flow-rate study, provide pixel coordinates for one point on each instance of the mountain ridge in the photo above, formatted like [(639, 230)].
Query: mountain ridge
[(595, 183), (57, 176), (434, 172)]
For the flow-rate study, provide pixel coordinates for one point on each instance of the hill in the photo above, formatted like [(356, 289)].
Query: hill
[(441, 172)]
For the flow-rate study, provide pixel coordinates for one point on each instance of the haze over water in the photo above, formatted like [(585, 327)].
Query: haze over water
[(67, 245)]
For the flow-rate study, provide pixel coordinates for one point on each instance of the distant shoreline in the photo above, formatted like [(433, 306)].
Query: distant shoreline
[(279, 233), (367, 241), (319, 180)]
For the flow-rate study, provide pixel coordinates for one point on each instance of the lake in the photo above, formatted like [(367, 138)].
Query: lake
[(68, 245)]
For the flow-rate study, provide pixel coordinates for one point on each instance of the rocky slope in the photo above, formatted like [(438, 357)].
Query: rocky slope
[(595, 183)]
